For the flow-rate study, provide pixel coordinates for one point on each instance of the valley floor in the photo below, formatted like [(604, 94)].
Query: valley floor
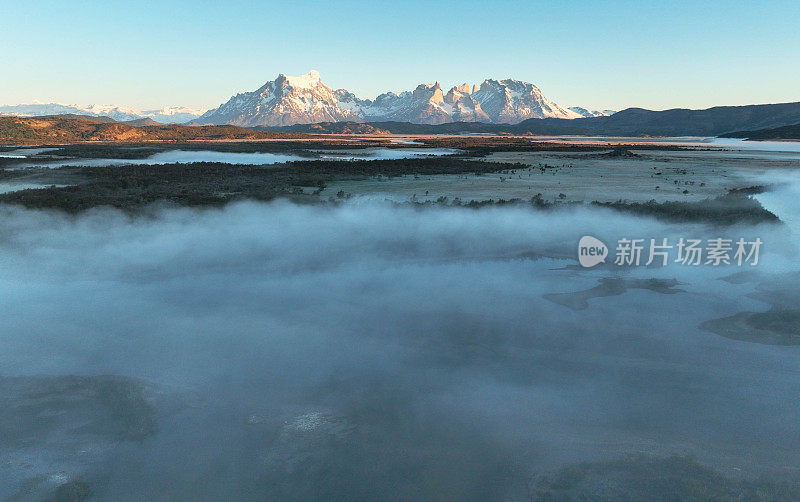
[(396, 321)]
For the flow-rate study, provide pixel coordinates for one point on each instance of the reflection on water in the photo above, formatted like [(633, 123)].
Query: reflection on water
[(189, 156), (388, 153)]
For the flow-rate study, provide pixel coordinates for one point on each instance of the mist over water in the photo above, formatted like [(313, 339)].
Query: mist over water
[(368, 351)]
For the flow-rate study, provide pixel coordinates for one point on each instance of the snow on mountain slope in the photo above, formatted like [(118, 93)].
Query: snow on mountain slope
[(423, 105), (305, 99), (120, 113), (463, 105), (583, 112), (169, 114), (284, 101), (510, 101)]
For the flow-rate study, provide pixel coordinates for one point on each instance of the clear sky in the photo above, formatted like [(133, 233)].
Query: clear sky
[(598, 54)]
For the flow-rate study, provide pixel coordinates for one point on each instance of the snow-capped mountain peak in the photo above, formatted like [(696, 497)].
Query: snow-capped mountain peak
[(511, 101), (583, 112), (176, 110), (166, 115), (430, 93), (309, 81), (284, 101)]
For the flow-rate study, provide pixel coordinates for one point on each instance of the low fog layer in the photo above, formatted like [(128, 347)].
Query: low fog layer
[(371, 351)]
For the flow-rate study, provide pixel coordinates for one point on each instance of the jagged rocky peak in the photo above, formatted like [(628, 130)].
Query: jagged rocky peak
[(457, 93), (430, 92), (310, 80), (511, 101)]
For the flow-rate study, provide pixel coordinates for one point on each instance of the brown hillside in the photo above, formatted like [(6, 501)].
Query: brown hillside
[(61, 130)]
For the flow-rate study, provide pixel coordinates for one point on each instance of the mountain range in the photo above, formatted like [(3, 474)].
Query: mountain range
[(716, 121), (166, 115), (772, 121), (713, 121), (287, 100)]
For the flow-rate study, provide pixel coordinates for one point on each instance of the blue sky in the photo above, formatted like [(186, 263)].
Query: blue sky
[(611, 54)]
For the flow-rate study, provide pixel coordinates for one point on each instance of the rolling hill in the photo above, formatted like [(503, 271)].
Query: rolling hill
[(715, 121), (69, 129), (790, 132)]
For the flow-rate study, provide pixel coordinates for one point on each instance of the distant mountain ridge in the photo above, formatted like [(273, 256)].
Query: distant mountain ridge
[(715, 121), (676, 122), (289, 100), (583, 112), (166, 115)]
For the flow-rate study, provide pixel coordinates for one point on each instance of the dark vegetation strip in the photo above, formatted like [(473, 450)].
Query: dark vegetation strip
[(205, 183), (733, 208), (729, 209), (480, 146)]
